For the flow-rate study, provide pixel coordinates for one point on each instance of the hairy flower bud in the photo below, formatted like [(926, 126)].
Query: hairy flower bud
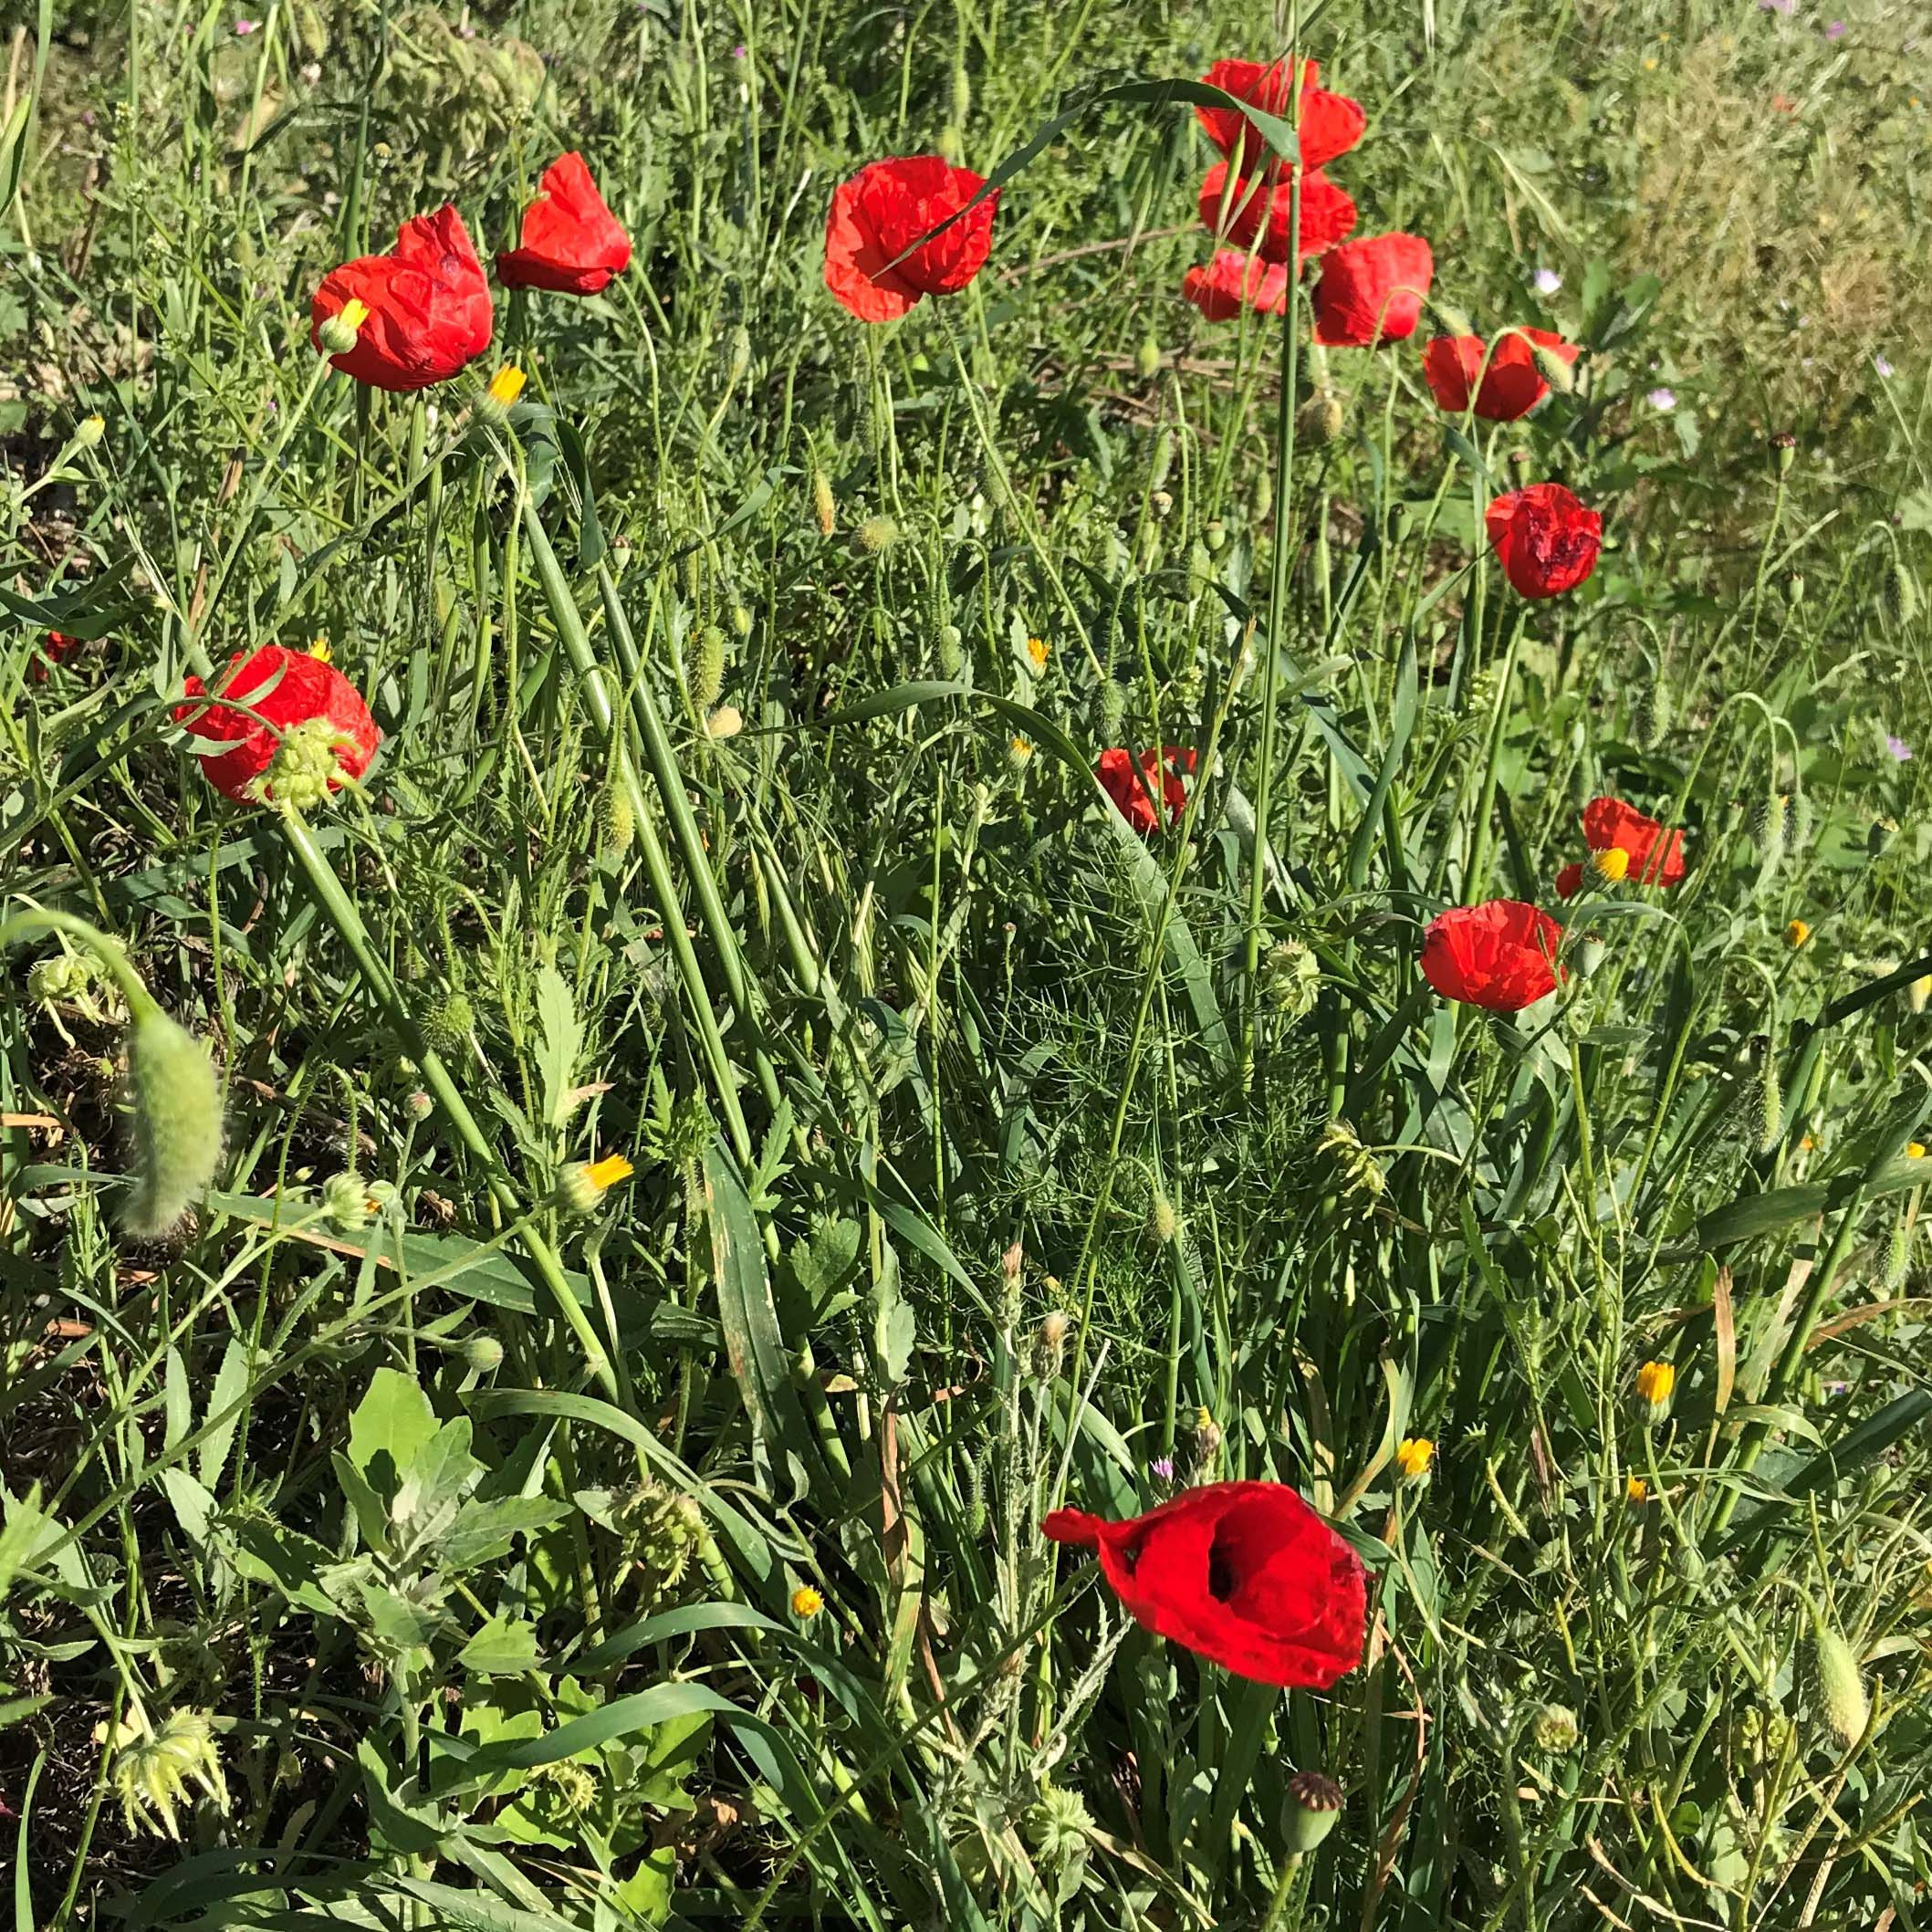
[(177, 1119), (1841, 1697)]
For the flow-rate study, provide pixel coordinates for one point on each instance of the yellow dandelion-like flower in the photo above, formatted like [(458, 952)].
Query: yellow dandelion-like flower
[(806, 1603), (1636, 1490), (1414, 1458), (583, 1184), (1656, 1380), (1613, 863), (1797, 934), (1037, 652), (1915, 1151), (506, 385), (319, 648)]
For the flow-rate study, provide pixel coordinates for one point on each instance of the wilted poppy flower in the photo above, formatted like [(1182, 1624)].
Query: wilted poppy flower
[(1372, 290), (1501, 955), (304, 720), (428, 303), (1234, 280), (1123, 783), (1330, 124), (1244, 1573), (1328, 215), (571, 240), (1546, 541), (880, 213), (56, 648), (1512, 384)]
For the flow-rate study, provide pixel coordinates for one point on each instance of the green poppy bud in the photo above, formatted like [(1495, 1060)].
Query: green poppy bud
[(177, 1118)]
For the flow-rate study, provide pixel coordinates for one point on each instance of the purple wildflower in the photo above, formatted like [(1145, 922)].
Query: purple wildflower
[(1835, 31), (1897, 746), (1662, 399), (1162, 1467)]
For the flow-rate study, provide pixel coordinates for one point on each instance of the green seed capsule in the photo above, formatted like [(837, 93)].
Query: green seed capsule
[(1841, 1688), (704, 666), (177, 1104), (1313, 1810), (1767, 1108)]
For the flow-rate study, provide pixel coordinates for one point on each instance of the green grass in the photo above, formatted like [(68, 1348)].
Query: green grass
[(423, 1550)]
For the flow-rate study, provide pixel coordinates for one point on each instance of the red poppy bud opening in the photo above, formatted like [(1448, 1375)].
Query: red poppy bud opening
[(1509, 387), (1372, 291), (1244, 1573), (1546, 539), (1133, 789), (570, 240), (1500, 956), (428, 303), (882, 212)]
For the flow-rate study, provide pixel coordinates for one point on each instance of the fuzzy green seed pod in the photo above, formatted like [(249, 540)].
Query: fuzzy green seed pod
[(704, 666), (1767, 1119), (1147, 360), (1162, 1221), (177, 1117), (449, 1022), (1652, 717), (1767, 823), (952, 651), (1898, 1254), (976, 1496), (962, 92), (877, 534), (1802, 823), (1113, 711), (1313, 1810), (952, 143), (1899, 594), (1162, 459), (741, 621), (616, 818), (482, 1354), (1320, 418), (825, 511), (1841, 1689)]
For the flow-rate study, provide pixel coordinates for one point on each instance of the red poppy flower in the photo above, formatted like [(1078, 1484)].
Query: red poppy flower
[(571, 240), (56, 648), (1546, 541), (881, 212), (1569, 880), (1372, 290), (287, 691), (1511, 386), (1328, 215), (428, 302), (1123, 784), (1654, 857), (1244, 1573), (1331, 123), (1501, 955), (1233, 280)]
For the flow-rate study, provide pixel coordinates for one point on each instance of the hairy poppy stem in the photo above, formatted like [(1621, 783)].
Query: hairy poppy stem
[(1475, 884)]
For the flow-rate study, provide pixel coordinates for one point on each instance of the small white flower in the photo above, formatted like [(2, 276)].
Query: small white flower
[(1662, 399), (1881, 365), (1547, 281)]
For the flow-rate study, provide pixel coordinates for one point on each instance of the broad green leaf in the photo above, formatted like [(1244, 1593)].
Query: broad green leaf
[(390, 1422), (501, 1649), (559, 1045), (230, 1379)]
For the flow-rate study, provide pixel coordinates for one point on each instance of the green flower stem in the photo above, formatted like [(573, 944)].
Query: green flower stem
[(1477, 882), (341, 911), (657, 863), (1281, 565)]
